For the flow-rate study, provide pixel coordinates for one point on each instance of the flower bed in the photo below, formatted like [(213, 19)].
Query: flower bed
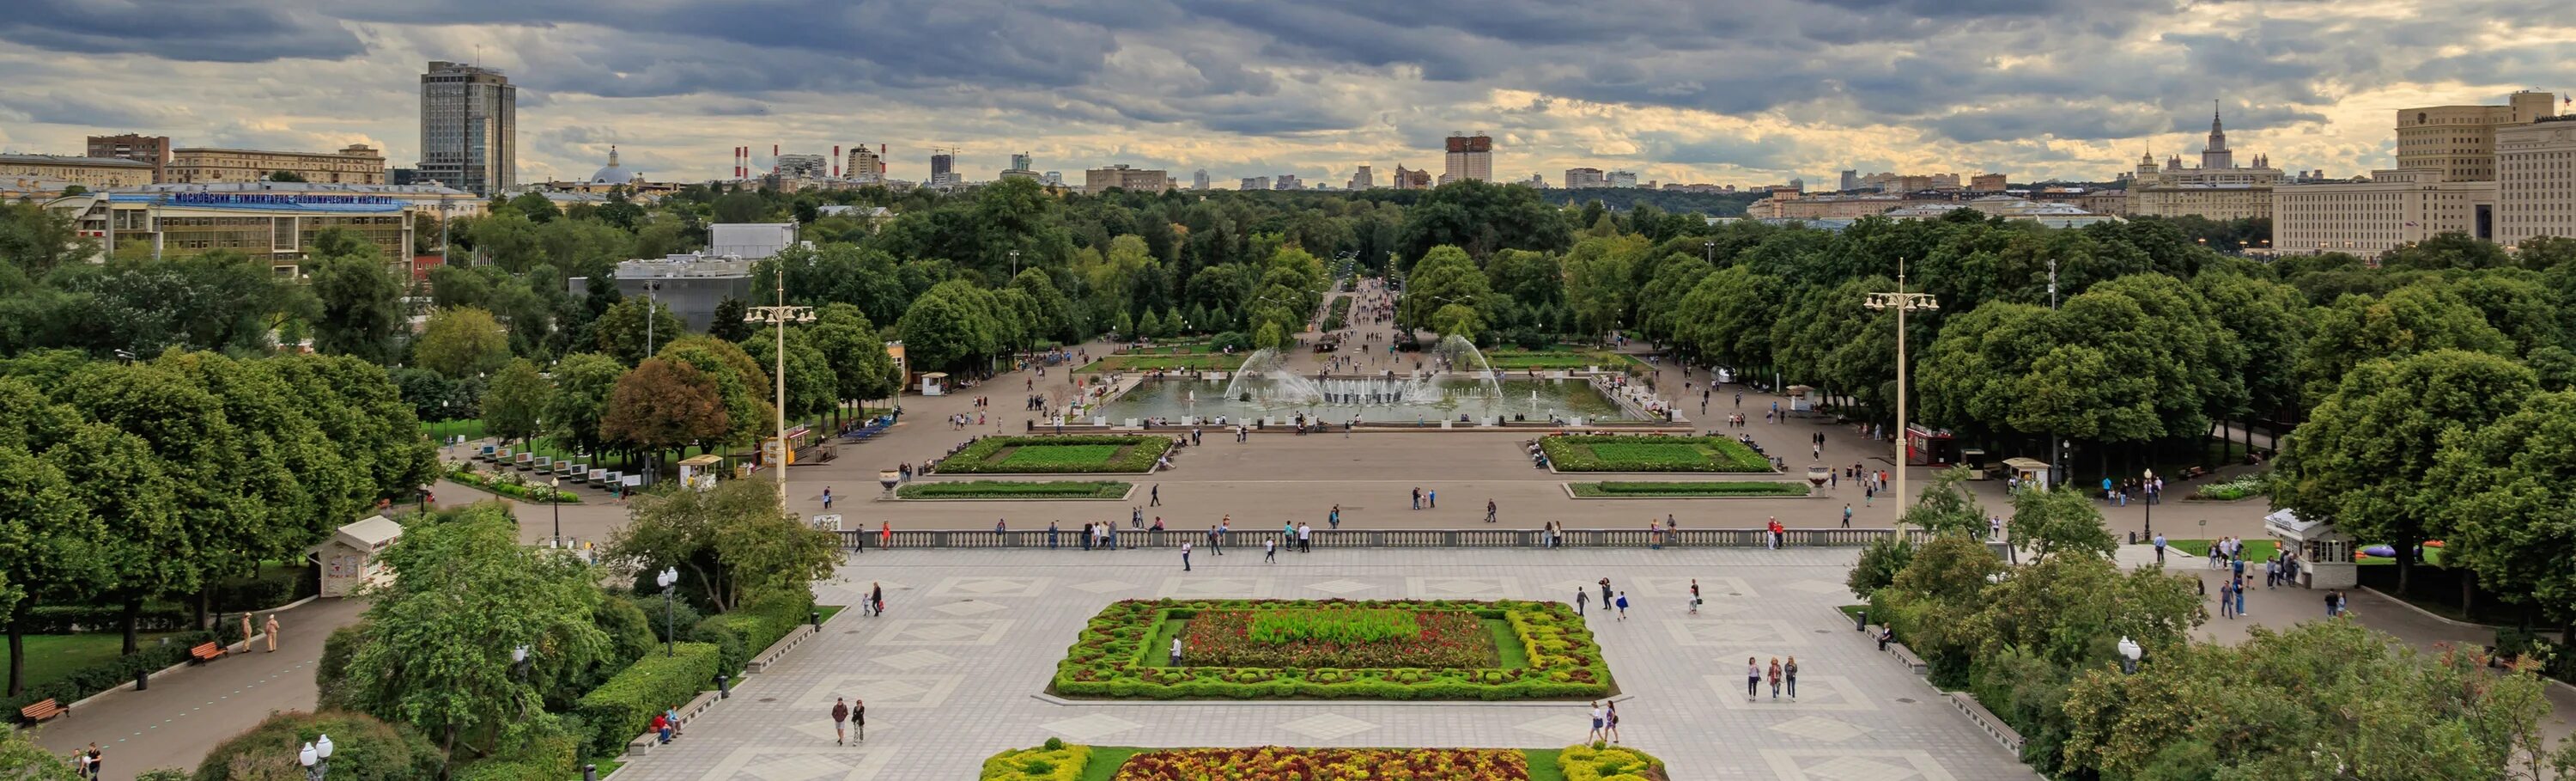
[(1001, 489), (1277, 763), (1118, 652), (509, 484), (1606, 453), (1056, 455), (2242, 487), (1332, 638), (1059, 761), (1689, 490)]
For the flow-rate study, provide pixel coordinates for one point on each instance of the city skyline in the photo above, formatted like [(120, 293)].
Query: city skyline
[(2039, 90)]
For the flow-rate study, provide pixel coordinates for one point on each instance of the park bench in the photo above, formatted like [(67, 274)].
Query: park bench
[(1993, 725), (2195, 472), (41, 710), (206, 652), (1912, 662)]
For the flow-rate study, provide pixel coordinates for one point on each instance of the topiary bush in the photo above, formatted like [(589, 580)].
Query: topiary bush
[(1055, 761), (363, 748), (624, 706), (1608, 763)]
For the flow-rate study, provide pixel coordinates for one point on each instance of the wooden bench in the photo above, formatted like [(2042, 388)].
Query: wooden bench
[(206, 652), (43, 709)]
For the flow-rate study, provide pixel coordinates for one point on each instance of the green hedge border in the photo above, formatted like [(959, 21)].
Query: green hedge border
[(1108, 659), (1139, 458), (1707, 489), (624, 706), (967, 490), (1733, 457)]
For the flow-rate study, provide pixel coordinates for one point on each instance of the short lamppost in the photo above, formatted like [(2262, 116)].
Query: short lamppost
[(665, 578), (1902, 302), (554, 496), (2147, 487), (316, 758), (2129, 654)]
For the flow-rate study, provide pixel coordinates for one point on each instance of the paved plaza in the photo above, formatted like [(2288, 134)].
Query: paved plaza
[(954, 672)]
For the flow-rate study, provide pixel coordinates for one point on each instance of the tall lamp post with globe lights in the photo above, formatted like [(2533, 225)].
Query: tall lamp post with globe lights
[(780, 316), (1902, 302), (665, 578)]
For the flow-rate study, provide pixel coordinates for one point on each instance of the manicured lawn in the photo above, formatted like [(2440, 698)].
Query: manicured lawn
[(831, 610), (1105, 761), (1524, 360), (445, 430), (50, 657), (1522, 650), (1338, 638), (1605, 453), (1684, 490), (1003, 489), (2255, 550), (1057, 455)]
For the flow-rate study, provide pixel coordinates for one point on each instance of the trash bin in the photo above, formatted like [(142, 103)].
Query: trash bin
[(1860, 620)]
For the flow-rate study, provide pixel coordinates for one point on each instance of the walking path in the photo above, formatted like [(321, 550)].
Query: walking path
[(952, 674), (184, 714)]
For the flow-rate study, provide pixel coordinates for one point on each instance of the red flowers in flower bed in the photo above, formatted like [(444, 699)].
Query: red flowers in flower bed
[(1275, 763), (1448, 638)]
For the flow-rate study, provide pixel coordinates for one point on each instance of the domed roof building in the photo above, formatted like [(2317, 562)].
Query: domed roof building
[(612, 173)]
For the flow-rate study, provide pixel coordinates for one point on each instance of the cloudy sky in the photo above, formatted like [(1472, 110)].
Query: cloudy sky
[(1742, 92)]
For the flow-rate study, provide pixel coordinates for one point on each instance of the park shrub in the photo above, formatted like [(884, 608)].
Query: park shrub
[(1054, 761), (509, 483), (363, 748), (2255, 484), (721, 633), (1110, 658), (86, 681), (331, 672), (663, 617), (1650, 453), (630, 631), (1100, 453), (621, 708), (547, 753), (1608, 763)]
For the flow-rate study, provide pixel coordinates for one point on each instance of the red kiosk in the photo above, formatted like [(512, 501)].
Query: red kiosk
[(1929, 447)]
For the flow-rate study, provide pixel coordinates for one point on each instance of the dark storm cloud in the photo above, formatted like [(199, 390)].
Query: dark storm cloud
[(205, 30)]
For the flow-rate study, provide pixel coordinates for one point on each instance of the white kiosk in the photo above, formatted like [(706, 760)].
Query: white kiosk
[(353, 557), (2325, 554), (934, 384)]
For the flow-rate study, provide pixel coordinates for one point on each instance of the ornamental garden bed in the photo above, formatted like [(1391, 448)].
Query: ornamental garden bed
[(1057, 455), (1005, 489), (1058, 761), (1709, 489), (1569, 360), (1651, 453), (1335, 649)]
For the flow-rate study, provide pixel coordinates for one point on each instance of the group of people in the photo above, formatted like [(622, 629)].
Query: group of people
[(1778, 674)]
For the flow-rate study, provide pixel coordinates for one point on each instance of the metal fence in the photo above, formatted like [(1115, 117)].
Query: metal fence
[(1379, 538)]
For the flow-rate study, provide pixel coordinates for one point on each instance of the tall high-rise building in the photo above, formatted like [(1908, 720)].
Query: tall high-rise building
[(1470, 157), (2460, 141), (1199, 179), (867, 166), (1620, 178), (1286, 182), (1121, 176), (2536, 185), (1851, 180), (134, 146), (2218, 189), (1362, 179), (796, 166), (1583, 178), (1254, 183), (943, 167), (1408, 179), (469, 127)]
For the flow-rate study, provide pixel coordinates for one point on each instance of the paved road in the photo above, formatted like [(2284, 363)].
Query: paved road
[(186, 713)]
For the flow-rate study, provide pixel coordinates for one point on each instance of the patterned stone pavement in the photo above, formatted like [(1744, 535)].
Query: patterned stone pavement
[(951, 675)]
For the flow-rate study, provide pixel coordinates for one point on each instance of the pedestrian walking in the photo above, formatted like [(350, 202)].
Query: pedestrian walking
[(1176, 652), (1694, 603), (1431, 498), (271, 626), (1269, 551), (876, 596), (1775, 678), (827, 498), (1605, 592), (1185, 557), (1334, 520), (1417, 498), (2160, 550), (1789, 672), (1752, 678), (1599, 716), (1305, 538), (1846, 515), (97, 761), (1623, 606), (859, 720), (1580, 597), (1610, 722), (840, 721), (1489, 511)]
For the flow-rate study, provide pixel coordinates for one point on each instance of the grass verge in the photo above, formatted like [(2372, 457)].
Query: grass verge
[(1656, 453), (1691, 490), (50, 657), (1003, 489)]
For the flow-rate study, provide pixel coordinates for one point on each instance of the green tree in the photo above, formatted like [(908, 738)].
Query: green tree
[(1444, 276), (361, 306), (48, 544), (583, 383), (461, 342), (730, 323), (2051, 522), (811, 383), (734, 541), (2409, 320), (948, 328), (21, 758), (2365, 456), (1947, 506), (1600, 282), (1481, 218), (515, 404), (2510, 482), (860, 366), (285, 176), (624, 332), (743, 383), (440, 632)]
